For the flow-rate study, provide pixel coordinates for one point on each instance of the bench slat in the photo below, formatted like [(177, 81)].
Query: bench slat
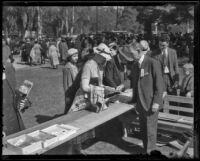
[(179, 108), (178, 99), (174, 117)]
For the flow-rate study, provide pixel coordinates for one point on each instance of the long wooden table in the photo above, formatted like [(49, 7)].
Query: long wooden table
[(84, 120)]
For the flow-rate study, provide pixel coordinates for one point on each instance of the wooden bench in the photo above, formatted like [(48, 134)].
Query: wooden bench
[(167, 120)]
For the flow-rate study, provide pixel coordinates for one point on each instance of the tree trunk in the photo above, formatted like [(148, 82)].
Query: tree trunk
[(188, 26), (39, 22), (72, 29), (66, 21), (148, 30)]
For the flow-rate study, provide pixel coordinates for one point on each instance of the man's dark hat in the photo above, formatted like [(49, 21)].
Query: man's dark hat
[(127, 52)]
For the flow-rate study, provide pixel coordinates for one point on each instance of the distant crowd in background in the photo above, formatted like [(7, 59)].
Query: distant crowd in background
[(182, 43), (56, 50)]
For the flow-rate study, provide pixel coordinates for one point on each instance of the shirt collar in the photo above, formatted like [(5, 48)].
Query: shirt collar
[(166, 51), (141, 59)]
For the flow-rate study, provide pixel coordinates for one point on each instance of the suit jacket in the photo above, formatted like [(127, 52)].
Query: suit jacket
[(147, 89), (12, 121), (172, 62), (112, 76)]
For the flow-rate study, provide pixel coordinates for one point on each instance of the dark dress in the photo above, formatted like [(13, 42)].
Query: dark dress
[(12, 121)]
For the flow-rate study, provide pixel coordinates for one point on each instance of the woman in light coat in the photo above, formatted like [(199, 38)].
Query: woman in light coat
[(36, 53), (54, 55)]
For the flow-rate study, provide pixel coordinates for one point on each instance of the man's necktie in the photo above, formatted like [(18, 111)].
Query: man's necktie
[(164, 58)]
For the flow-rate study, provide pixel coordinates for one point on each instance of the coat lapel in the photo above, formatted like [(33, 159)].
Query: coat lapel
[(144, 66), (170, 59)]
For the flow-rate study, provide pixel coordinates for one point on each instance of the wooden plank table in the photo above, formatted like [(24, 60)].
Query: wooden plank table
[(84, 120)]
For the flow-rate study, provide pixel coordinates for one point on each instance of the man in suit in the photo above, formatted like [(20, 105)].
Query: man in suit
[(147, 84), (167, 58)]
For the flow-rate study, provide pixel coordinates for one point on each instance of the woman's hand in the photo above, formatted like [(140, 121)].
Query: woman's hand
[(120, 87)]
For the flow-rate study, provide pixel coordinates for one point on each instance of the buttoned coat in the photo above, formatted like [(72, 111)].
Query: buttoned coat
[(172, 62), (147, 88)]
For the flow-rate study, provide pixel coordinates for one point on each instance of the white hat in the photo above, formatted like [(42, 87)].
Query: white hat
[(72, 51), (145, 45), (188, 66), (103, 50), (112, 44)]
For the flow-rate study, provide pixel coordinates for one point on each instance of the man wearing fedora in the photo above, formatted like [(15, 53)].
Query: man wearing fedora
[(147, 84), (116, 69)]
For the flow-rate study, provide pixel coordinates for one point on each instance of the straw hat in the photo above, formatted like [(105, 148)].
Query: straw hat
[(144, 45), (103, 50)]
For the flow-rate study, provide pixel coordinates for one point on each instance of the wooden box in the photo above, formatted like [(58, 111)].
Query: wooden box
[(24, 144), (47, 139), (60, 131)]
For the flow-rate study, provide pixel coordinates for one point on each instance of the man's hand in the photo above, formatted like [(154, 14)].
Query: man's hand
[(120, 87), (155, 107), (176, 85), (4, 134), (164, 94)]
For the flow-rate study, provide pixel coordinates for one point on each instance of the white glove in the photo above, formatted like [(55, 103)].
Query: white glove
[(155, 107)]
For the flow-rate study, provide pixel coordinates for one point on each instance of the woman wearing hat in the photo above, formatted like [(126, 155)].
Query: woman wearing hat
[(70, 72), (53, 55), (92, 75), (187, 86)]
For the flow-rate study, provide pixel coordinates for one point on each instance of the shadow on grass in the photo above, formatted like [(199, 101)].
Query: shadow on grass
[(111, 133), (48, 67), (22, 63), (43, 118)]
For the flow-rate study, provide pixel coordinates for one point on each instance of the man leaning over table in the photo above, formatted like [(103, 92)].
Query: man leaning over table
[(147, 84)]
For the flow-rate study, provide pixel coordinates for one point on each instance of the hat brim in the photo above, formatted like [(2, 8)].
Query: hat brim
[(124, 55)]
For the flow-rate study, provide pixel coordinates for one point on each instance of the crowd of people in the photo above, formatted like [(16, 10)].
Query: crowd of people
[(94, 66)]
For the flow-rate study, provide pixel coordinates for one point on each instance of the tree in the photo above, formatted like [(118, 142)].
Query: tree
[(180, 14), (127, 20), (148, 15)]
